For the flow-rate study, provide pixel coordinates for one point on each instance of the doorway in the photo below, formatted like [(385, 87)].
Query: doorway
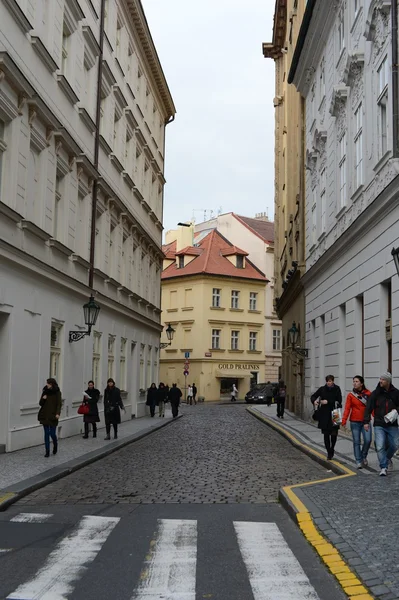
[(226, 386), (5, 358)]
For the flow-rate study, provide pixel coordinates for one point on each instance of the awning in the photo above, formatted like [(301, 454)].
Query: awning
[(232, 374)]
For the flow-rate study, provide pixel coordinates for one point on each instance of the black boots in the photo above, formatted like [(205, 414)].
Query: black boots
[(47, 454), (55, 447)]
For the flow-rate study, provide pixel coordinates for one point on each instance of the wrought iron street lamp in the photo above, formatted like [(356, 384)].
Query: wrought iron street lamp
[(90, 312), (395, 254), (293, 339), (170, 332)]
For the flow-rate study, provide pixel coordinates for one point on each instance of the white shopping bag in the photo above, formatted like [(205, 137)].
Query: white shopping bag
[(336, 416), (391, 417)]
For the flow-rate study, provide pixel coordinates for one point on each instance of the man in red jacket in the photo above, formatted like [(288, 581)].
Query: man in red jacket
[(384, 401)]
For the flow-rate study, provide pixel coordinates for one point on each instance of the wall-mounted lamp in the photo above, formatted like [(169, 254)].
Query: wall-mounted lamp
[(293, 339), (90, 311), (170, 332)]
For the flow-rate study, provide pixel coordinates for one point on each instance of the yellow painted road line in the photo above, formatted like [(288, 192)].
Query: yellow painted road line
[(347, 579)]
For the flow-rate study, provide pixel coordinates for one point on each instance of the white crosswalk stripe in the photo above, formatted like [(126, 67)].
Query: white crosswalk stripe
[(274, 572), (68, 561), (170, 568), (170, 571)]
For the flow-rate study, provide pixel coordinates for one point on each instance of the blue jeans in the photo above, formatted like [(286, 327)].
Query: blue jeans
[(49, 431), (357, 429), (386, 436)]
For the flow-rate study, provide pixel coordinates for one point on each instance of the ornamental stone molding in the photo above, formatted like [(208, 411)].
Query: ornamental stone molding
[(354, 66), (378, 14), (339, 99)]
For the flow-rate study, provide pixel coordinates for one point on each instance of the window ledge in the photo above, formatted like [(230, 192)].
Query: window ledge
[(53, 243), (236, 310), (186, 308), (128, 179), (87, 120), (321, 236), (254, 351), (216, 308), (9, 212), (43, 53), (382, 162), (356, 19), (340, 212), (340, 55), (67, 89), (237, 351), (35, 230), (172, 310), (357, 193), (170, 350), (116, 162), (254, 311), (216, 350), (81, 261), (18, 15)]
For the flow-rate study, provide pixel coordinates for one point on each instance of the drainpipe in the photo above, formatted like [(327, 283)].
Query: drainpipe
[(395, 81), (96, 147)]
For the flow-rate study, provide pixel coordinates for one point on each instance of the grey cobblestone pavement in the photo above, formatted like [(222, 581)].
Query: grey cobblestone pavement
[(215, 454), (360, 516)]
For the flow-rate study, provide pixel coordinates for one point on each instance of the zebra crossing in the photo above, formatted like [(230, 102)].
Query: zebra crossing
[(169, 569)]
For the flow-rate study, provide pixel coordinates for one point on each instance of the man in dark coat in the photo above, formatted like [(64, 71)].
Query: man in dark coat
[(384, 401), (174, 398), (112, 408), (327, 398), (91, 398)]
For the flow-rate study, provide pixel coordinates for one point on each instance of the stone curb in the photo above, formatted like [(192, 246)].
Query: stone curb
[(15, 492)]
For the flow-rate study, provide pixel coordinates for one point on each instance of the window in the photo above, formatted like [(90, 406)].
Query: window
[(314, 218), (55, 351), (252, 340), (382, 101), (3, 148), (240, 261), (358, 146), (142, 371), (277, 339), (215, 339), (342, 172), (111, 356), (356, 6), (122, 365), (235, 294), (96, 365), (64, 50), (322, 80), (181, 262), (234, 340), (253, 296), (216, 297), (341, 30), (58, 220), (323, 200)]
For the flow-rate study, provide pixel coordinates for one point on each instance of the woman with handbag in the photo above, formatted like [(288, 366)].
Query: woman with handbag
[(90, 401), (112, 408), (355, 406), (49, 413), (326, 399), (152, 398)]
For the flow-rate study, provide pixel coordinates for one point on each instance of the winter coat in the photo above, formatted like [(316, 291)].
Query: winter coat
[(112, 405), (174, 395), (194, 390), (334, 400), (354, 407), (161, 395), (151, 396), (50, 406), (382, 401), (92, 416)]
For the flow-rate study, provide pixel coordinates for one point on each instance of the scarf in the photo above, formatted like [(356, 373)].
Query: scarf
[(360, 396)]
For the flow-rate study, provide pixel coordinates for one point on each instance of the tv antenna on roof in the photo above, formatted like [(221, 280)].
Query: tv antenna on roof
[(209, 213)]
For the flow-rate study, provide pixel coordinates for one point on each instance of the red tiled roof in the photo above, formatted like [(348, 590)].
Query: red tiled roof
[(264, 229), (169, 250), (190, 251), (211, 262), (233, 250)]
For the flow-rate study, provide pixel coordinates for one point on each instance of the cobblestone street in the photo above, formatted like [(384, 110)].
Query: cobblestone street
[(215, 454)]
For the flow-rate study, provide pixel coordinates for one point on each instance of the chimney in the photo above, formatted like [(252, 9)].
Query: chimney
[(261, 216), (185, 236)]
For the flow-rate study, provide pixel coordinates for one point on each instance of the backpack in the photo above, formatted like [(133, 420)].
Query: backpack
[(281, 392)]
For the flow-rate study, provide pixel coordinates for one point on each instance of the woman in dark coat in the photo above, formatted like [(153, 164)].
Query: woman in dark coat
[(152, 398), (325, 400), (91, 398), (162, 394), (112, 408), (49, 413)]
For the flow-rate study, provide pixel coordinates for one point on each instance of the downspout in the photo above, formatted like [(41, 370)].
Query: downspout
[(96, 147), (395, 81)]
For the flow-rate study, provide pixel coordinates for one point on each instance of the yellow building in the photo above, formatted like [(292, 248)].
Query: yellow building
[(213, 296), (289, 219)]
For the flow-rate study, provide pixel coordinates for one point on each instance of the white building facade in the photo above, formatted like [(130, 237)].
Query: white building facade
[(256, 236), (343, 68), (50, 54)]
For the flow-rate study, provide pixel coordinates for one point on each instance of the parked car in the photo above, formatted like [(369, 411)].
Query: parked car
[(260, 393)]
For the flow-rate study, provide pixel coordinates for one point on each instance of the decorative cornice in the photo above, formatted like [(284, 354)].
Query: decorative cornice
[(384, 6), (18, 15), (15, 75), (354, 62), (340, 94), (274, 49)]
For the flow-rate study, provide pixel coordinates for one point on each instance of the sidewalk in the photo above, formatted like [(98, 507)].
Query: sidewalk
[(349, 519), (24, 471)]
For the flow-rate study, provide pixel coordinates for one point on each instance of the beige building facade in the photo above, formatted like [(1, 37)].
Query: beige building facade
[(289, 241), (213, 297)]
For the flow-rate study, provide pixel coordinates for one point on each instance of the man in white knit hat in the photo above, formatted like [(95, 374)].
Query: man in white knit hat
[(384, 401)]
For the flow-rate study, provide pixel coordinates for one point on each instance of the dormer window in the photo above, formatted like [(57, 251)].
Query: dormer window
[(240, 261), (181, 262)]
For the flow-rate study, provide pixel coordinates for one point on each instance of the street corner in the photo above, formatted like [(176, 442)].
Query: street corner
[(6, 499)]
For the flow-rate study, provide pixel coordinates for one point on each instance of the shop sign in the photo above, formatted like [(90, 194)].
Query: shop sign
[(238, 367), (208, 354)]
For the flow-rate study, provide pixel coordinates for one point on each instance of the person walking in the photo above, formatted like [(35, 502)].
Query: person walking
[(355, 407), (174, 396), (152, 398), (234, 393), (50, 409), (384, 401), (91, 398), (190, 394), (112, 408), (195, 393), (326, 399), (161, 398), (280, 394)]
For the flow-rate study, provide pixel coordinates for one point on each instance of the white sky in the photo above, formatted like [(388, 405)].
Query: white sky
[(220, 149)]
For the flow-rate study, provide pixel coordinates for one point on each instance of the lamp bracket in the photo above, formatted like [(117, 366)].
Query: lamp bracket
[(165, 345), (304, 352), (75, 336)]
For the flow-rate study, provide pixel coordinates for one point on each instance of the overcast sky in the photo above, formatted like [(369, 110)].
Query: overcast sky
[(220, 149)]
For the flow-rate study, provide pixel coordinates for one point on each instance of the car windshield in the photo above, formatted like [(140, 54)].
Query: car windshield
[(258, 387)]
